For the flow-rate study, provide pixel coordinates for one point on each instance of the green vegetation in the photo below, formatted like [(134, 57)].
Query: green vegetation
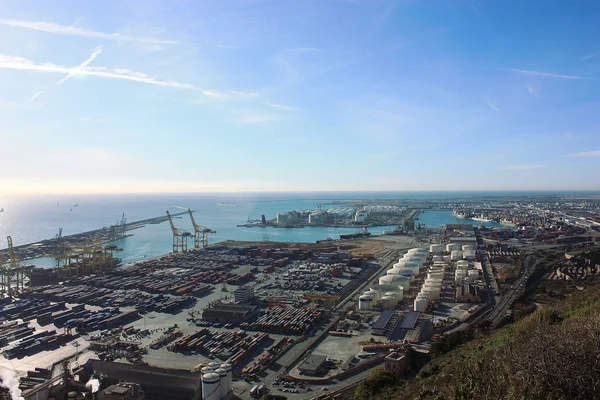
[(379, 382), (551, 354)]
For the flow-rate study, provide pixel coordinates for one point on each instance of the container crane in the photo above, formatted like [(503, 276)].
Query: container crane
[(180, 238), (13, 274), (200, 232)]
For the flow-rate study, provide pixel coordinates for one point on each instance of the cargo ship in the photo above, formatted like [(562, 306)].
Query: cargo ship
[(356, 235)]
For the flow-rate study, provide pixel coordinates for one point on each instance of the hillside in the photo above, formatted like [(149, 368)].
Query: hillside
[(553, 353)]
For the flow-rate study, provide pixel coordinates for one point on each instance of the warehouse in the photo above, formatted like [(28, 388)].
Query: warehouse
[(224, 313), (314, 365), (170, 384)]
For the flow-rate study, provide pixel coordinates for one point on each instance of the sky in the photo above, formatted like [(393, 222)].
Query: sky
[(282, 95)]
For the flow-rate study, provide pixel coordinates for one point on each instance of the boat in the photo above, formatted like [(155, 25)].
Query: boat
[(355, 235), (481, 219), (462, 214)]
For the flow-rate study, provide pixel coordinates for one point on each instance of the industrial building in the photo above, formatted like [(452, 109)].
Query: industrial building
[(229, 313), (287, 218), (123, 391), (243, 294), (318, 218), (155, 382), (313, 365), (397, 363)]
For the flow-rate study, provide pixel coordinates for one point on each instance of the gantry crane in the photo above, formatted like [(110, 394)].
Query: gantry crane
[(180, 238), (327, 300), (13, 274), (200, 232)]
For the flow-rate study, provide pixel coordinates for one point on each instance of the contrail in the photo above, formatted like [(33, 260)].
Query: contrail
[(81, 66)]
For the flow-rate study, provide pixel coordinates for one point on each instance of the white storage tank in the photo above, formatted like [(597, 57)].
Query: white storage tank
[(222, 381), (437, 259), (409, 264), (397, 280), (450, 247), (436, 248), (229, 369), (365, 303), (408, 272), (468, 247), (456, 255), (417, 250), (387, 303), (380, 289), (420, 305), (474, 273), (469, 256), (214, 365), (210, 386), (394, 296), (446, 259), (207, 370), (434, 293), (462, 263), (373, 293), (433, 275)]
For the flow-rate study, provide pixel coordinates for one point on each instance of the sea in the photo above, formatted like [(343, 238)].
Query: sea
[(29, 219)]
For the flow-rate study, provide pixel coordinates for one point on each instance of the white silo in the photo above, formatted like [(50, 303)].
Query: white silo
[(398, 280), (381, 289), (450, 247), (408, 272), (214, 365), (373, 293), (206, 370), (456, 255), (468, 247), (394, 296), (394, 271), (387, 303), (222, 382), (420, 305), (365, 303), (436, 248), (434, 293), (418, 250), (210, 386), (229, 369)]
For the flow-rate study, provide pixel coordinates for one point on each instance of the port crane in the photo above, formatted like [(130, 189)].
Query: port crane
[(13, 273), (180, 238), (326, 300), (200, 232)]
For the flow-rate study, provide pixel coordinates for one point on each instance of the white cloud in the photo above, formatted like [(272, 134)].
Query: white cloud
[(593, 153), (588, 57), (82, 65), (72, 30), (546, 74), (19, 63), (35, 96), (534, 92), (524, 167), (491, 105), (281, 107)]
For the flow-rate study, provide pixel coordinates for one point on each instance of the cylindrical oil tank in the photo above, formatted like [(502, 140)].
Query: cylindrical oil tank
[(436, 248), (373, 293), (214, 365), (473, 273), (229, 369), (450, 247), (434, 293), (414, 256), (387, 303), (398, 280), (433, 275), (420, 305), (207, 370), (365, 303), (469, 256), (222, 382), (210, 386), (385, 288), (394, 271), (394, 296), (446, 259), (462, 263), (418, 250), (437, 259), (468, 247), (456, 255)]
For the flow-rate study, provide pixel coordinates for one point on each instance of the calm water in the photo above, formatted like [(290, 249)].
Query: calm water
[(437, 218), (30, 219)]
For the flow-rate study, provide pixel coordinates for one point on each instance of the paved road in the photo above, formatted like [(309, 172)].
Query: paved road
[(488, 274)]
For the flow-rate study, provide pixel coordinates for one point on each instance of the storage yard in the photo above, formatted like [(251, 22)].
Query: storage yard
[(247, 306)]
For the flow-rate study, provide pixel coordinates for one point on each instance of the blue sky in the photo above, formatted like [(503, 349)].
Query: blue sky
[(134, 96)]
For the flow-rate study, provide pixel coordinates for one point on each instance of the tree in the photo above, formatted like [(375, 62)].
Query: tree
[(379, 380)]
